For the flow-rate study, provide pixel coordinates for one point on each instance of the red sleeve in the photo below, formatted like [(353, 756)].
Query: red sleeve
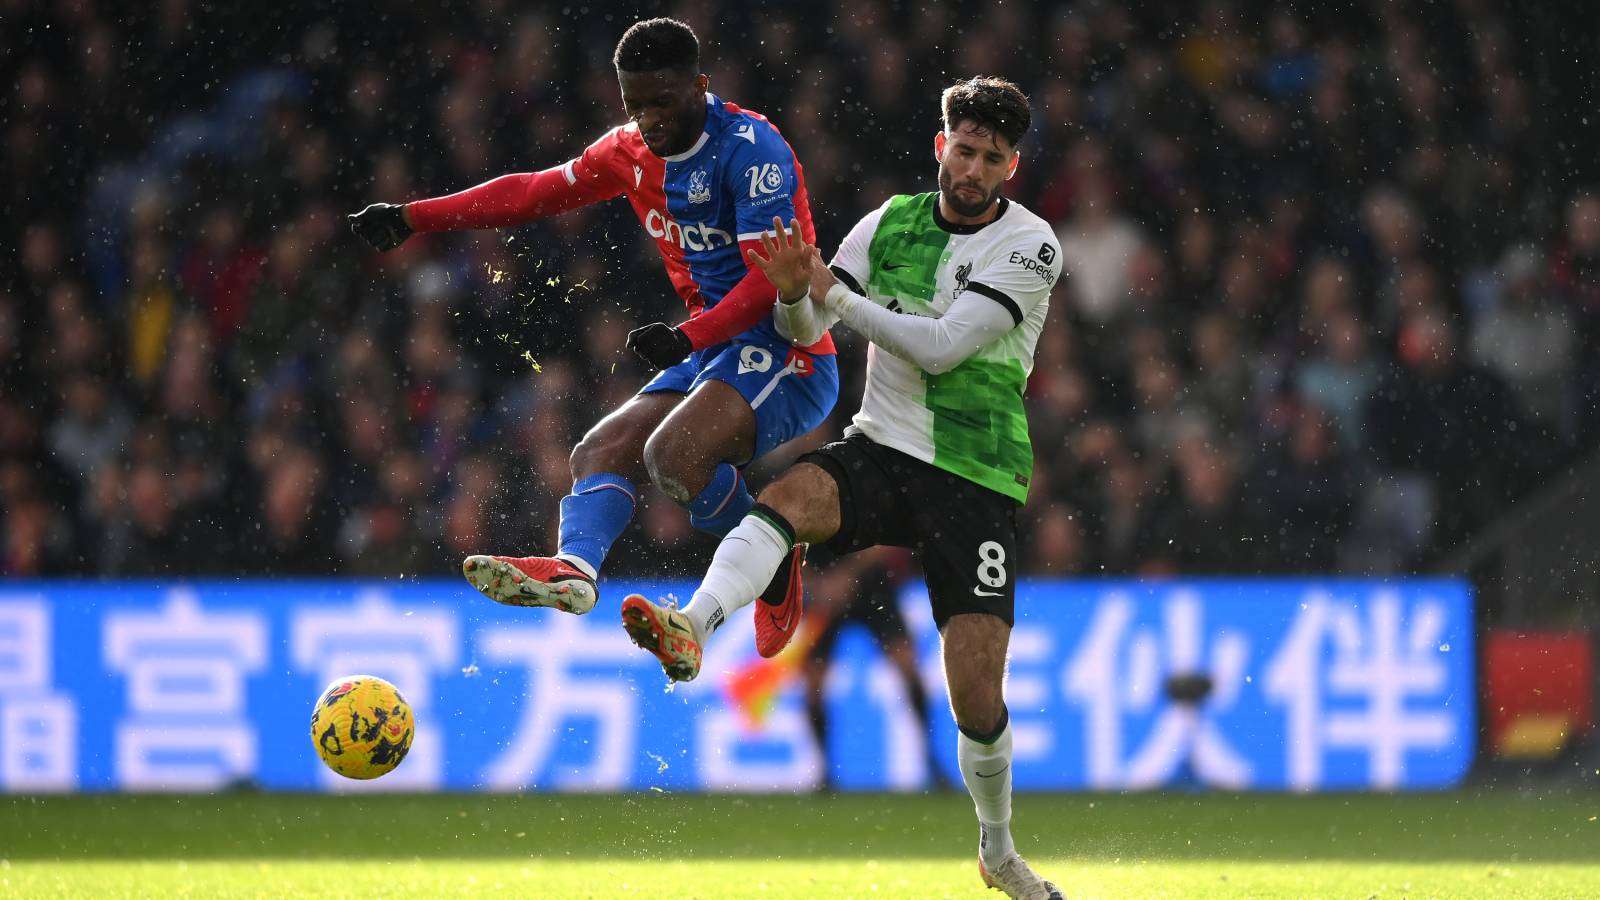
[(740, 310), (523, 197)]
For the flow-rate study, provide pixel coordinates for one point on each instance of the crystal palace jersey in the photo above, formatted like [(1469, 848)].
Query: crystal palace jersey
[(970, 420), (700, 204)]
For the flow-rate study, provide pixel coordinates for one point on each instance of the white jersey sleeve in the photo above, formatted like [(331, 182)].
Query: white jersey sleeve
[(934, 345), (852, 265), (804, 322), (1020, 272)]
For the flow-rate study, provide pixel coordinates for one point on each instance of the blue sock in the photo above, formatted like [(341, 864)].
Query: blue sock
[(723, 504), (594, 514)]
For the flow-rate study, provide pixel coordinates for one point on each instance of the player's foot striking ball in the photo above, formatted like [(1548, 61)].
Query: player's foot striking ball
[(362, 727)]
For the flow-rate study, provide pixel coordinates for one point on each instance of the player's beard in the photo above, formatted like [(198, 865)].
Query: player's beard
[(947, 187)]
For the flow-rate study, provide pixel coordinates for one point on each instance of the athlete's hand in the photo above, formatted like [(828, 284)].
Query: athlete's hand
[(786, 260), (822, 278), (660, 345), (382, 225)]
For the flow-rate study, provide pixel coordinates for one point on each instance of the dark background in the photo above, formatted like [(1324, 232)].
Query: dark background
[(1332, 303)]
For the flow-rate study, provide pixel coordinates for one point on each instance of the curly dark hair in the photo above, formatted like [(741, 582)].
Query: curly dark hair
[(656, 44), (990, 102)]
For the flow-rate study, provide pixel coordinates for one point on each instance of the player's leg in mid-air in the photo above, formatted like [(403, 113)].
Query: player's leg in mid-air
[(773, 393), (607, 468), (689, 431), (800, 506), (810, 503)]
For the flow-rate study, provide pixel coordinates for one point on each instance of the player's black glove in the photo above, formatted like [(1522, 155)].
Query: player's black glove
[(660, 345), (382, 225)]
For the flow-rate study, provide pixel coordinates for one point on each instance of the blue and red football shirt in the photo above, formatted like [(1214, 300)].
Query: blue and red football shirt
[(704, 208)]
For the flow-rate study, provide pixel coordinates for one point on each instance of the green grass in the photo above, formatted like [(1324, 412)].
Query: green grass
[(1488, 844)]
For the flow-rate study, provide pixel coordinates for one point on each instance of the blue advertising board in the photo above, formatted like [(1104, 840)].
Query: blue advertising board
[(1316, 684)]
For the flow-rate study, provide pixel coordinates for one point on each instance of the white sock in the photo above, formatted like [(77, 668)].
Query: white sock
[(579, 563), (742, 568), (986, 769)]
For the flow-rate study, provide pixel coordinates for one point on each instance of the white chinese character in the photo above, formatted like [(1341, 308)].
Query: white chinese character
[(723, 762), (38, 743), (373, 636), (1119, 672), (24, 645), (1380, 662), (185, 670), (38, 727), (780, 756), (549, 653)]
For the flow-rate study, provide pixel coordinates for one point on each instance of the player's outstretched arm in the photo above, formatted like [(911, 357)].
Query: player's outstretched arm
[(508, 200), (934, 345)]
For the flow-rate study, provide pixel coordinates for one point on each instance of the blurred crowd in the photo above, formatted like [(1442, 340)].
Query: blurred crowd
[(1332, 299)]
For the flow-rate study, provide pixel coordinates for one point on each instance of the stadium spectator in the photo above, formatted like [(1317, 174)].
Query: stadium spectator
[(1332, 245)]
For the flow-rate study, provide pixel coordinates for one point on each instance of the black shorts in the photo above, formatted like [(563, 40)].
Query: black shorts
[(963, 535)]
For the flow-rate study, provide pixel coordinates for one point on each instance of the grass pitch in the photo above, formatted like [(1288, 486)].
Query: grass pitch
[(1484, 844)]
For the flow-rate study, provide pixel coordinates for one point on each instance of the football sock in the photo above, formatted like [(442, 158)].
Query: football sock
[(743, 565), (986, 768), (723, 503), (592, 517)]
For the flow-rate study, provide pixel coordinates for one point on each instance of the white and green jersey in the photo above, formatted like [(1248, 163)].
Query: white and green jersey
[(969, 420)]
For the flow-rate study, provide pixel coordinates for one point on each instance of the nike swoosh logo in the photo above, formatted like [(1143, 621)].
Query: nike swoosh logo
[(889, 267), (992, 774), (983, 593)]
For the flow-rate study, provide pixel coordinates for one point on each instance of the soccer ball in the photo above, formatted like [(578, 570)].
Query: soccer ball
[(362, 727)]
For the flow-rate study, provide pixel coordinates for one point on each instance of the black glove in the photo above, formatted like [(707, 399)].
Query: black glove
[(660, 345), (382, 225)]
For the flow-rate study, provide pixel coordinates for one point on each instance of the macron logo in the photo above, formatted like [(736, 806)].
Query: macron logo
[(746, 131)]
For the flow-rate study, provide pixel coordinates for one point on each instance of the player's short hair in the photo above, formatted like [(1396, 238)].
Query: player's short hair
[(993, 103), (656, 44)]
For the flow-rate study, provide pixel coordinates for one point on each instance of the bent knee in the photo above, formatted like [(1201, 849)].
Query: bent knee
[(674, 466), (783, 495), (806, 497)]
